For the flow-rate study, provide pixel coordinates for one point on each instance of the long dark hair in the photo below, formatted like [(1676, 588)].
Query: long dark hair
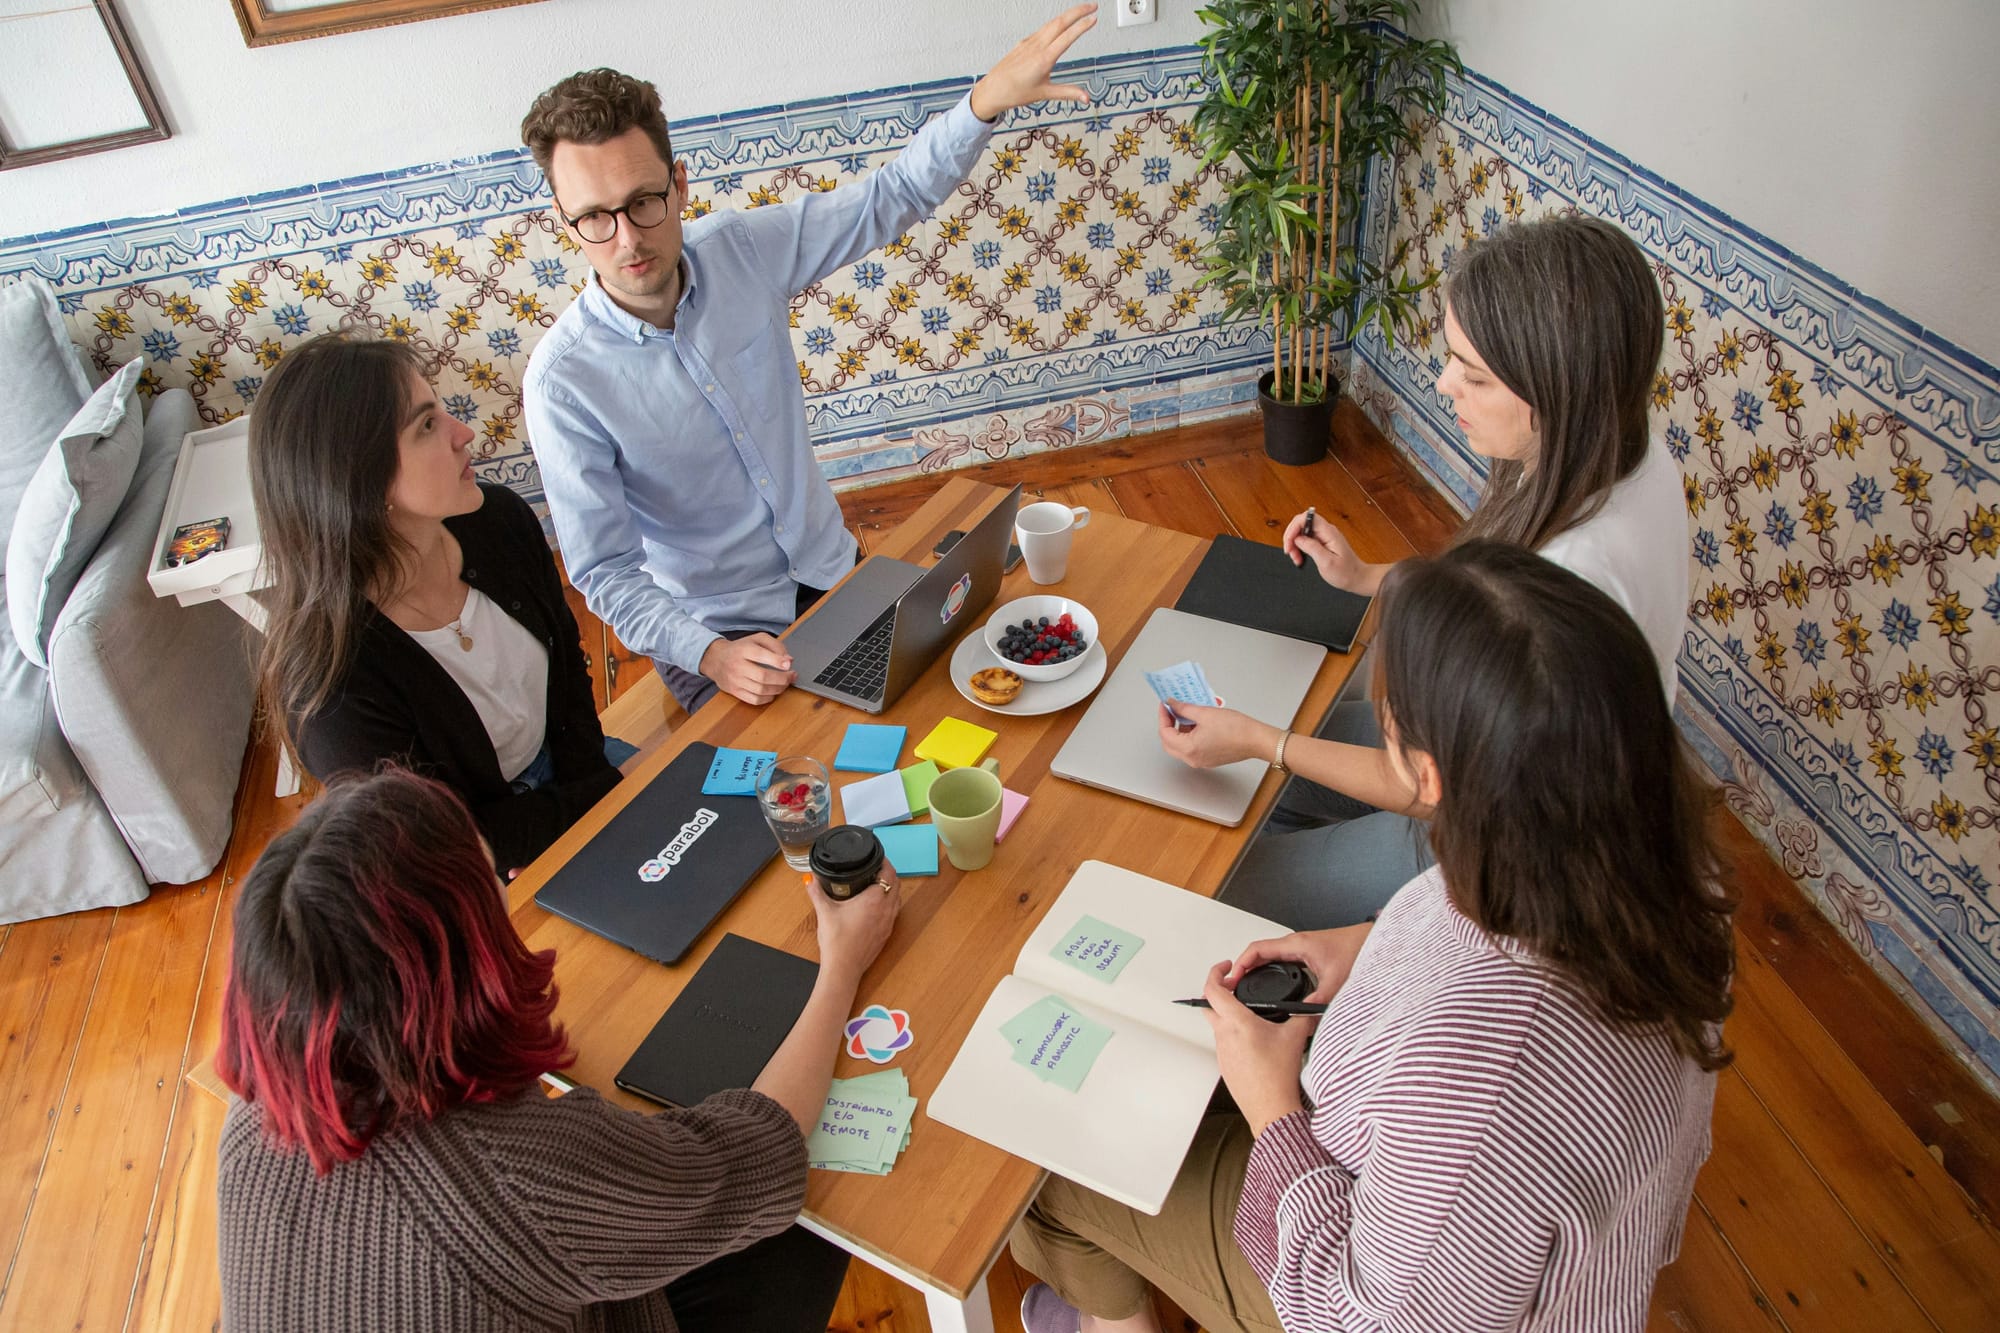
[(1571, 818), (1565, 311), (375, 980), (323, 454)]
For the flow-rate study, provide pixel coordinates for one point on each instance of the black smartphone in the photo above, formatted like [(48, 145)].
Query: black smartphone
[(946, 542)]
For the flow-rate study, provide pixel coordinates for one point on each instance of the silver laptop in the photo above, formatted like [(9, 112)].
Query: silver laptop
[(1116, 744), (881, 629)]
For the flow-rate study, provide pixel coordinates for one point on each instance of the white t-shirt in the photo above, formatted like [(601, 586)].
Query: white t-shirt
[(505, 675), (1635, 549)]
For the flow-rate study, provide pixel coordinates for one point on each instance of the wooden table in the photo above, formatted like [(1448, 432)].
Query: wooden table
[(941, 1217)]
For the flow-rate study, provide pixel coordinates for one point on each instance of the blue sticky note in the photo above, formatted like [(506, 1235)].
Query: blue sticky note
[(735, 772), (867, 748), (911, 848)]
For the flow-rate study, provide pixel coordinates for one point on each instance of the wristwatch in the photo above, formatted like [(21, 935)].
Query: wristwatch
[(1278, 760)]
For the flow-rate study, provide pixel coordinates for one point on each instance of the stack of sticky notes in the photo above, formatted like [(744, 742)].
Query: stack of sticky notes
[(735, 772), (869, 748), (911, 848), (865, 1124), (954, 743), (1055, 1043), (873, 802)]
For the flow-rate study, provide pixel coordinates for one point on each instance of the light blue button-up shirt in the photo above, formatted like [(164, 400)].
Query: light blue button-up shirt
[(676, 462)]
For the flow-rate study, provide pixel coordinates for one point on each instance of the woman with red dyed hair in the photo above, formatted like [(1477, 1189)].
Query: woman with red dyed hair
[(392, 1163)]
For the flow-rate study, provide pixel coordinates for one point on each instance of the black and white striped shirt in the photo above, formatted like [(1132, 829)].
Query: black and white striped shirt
[(1483, 1151)]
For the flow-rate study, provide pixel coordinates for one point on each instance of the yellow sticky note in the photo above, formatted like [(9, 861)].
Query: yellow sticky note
[(956, 744)]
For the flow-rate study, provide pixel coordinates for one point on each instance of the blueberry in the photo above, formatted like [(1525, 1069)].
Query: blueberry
[(1043, 622)]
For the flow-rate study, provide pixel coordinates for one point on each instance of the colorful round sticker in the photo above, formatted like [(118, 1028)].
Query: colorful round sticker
[(878, 1033)]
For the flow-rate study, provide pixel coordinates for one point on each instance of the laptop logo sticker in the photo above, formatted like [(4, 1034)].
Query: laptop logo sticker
[(655, 869), (954, 601)]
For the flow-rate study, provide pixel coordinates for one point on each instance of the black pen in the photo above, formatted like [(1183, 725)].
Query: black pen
[(1265, 1006), (1307, 530)]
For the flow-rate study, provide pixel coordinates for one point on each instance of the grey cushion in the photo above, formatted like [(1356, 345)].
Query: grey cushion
[(69, 504), (42, 384)]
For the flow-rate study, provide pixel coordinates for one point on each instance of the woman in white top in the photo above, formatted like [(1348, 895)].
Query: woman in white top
[(417, 616), (1553, 331)]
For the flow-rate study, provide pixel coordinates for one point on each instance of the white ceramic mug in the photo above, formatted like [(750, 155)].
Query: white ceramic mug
[(1044, 531)]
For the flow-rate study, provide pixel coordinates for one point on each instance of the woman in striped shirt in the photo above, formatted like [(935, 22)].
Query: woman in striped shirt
[(1505, 1106)]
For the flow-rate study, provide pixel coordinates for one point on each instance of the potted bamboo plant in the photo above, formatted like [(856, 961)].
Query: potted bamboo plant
[(1301, 94)]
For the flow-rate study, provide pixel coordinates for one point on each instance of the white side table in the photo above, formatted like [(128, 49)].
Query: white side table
[(212, 480)]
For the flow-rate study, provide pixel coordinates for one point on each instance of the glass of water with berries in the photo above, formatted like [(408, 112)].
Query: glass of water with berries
[(798, 805)]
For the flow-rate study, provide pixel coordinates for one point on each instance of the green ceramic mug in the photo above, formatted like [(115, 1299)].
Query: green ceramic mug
[(965, 807)]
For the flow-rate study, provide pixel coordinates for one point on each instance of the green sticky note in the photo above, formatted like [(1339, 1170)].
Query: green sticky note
[(917, 780), (1060, 1045), (1097, 949)]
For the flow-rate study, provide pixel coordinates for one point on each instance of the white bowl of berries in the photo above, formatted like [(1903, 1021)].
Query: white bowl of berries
[(1042, 637)]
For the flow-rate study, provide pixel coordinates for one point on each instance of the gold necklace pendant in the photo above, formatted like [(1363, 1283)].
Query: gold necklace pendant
[(464, 639)]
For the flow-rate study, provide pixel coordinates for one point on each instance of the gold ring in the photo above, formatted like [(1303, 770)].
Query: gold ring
[(883, 885)]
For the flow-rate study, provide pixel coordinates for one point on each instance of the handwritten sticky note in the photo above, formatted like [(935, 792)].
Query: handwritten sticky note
[(875, 801), (1012, 803), (912, 849), (1097, 949), (917, 780), (868, 748), (735, 772), (955, 743), (1055, 1042), (864, 1124)]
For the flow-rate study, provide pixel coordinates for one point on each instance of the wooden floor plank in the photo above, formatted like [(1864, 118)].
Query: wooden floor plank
[(1169, 497), (1705, 1289), (181, 1288), (1789, 1232), (1338, 498), (1936, 1096), (1914, 1214), (47, 974), (1417, 508), (1247, 488), (96, 1191)]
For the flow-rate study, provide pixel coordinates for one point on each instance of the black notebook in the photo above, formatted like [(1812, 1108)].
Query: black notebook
[(724, 1027), (1257, 586), (666, 865)]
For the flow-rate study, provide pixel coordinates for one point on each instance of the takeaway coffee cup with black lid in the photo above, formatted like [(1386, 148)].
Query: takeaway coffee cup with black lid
[(846, 860)]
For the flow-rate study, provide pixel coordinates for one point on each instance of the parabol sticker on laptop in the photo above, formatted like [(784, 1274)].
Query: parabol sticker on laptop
[(657, 868), (954, 601)]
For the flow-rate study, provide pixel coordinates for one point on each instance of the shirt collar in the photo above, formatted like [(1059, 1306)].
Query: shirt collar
[(627, 324)]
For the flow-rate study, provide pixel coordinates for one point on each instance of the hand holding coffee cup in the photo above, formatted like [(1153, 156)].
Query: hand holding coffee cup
[(965, 808), (1044, 532)]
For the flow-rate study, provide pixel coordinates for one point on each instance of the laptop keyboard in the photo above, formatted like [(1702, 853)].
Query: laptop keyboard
[(862, 669)]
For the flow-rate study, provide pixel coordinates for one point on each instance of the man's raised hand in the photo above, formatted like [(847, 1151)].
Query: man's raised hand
[(1022, 76)]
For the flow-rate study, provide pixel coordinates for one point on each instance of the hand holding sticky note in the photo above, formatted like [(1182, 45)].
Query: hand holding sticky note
[(1184, 682)]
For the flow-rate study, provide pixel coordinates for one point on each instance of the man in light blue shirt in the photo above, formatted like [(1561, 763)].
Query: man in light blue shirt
[(665, 408)]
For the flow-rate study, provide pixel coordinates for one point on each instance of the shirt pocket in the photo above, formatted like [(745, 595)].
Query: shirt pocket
[(763, 374)]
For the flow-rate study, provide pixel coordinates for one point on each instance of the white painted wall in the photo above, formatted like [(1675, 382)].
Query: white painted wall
[(1863, 137), (246, 121)]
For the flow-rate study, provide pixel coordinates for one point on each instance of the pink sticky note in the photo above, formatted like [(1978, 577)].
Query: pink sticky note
[(1012, 803)]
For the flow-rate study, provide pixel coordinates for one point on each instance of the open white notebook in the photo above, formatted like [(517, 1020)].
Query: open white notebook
[(1125, 1130)]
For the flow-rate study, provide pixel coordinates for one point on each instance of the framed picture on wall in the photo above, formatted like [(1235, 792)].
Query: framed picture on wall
[(267, 21), (70, 83)]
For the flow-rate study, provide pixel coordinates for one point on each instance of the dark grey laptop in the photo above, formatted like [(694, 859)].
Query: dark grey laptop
[(666, 865), (881, 629)]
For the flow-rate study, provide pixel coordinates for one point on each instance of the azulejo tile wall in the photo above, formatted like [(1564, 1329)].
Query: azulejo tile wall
[(1052, 301), (1840, 471)]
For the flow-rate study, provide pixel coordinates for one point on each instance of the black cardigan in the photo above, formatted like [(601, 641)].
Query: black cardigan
[(396, 703)]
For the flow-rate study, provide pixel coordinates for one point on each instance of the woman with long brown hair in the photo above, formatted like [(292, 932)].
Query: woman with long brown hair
[(391, 1162), (1506, 1103), (417, 615), (1552, 332)]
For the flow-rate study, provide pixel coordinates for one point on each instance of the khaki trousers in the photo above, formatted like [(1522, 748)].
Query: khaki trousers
[(1100, 1255)]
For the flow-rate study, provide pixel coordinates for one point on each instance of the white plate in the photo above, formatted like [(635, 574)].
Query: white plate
[(1036, 697)]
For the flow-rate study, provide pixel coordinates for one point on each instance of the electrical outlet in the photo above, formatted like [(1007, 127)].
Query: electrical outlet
[(1131, 13)]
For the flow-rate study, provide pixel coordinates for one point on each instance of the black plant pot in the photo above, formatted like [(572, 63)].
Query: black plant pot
[(1296, 434)]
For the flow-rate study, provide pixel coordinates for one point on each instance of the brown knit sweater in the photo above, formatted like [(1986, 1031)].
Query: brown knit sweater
[(530, 1214)]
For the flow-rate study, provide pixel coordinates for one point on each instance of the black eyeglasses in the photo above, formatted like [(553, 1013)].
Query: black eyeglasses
[(647, 211)]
